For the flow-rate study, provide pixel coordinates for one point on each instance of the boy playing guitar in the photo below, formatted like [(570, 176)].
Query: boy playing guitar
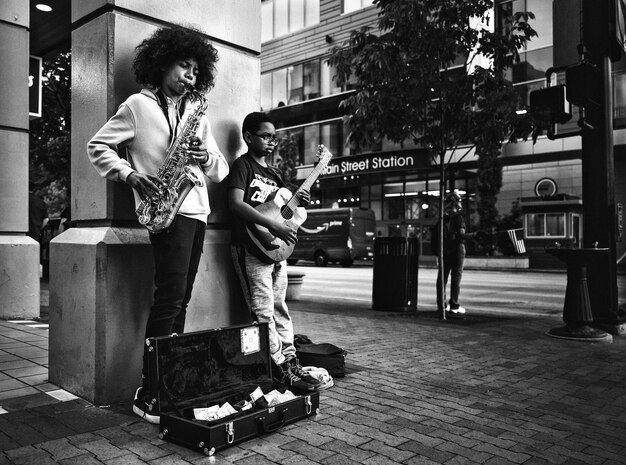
[(260, 227)]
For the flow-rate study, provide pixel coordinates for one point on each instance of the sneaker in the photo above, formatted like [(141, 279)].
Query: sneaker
[(143, 407), (296, 369), (321, 374), (456, 311), (283, 374)]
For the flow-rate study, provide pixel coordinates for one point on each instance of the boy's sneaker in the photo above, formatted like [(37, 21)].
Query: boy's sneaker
[(296, 369), (457, 311), (321, 374), (142, 406), (283, 374), (290, 380)]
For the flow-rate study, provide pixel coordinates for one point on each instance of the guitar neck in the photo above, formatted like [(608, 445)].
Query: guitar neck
[(306, 185)]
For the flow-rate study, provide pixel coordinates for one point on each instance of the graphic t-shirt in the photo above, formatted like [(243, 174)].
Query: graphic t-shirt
[(259, 184)]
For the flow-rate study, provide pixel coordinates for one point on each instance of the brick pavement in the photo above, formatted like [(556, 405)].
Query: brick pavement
[(482, 389)]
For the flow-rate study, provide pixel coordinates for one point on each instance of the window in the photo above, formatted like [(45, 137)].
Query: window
[(545, 224), (311, 12), (537, 56), (281, 17), (305, 81), (619, 96), (331, 135), (310, 136), (294, 84), (311, 79), (279, 88), (353, 5), (267, 21), (266, 90)]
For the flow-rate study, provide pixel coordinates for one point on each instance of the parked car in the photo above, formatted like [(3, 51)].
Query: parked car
[(335, 235)]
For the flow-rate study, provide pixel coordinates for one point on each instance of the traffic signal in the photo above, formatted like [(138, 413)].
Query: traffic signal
[(601, 28), (549, 105), (584, 85)]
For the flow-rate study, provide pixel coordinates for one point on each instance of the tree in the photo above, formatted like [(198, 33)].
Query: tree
[(431, 74), (288, 153), (50, 144)]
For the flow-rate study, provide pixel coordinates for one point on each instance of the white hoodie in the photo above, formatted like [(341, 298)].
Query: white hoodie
[(140, 126)]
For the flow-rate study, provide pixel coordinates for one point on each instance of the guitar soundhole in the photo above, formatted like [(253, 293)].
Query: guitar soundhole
[(286, 212)]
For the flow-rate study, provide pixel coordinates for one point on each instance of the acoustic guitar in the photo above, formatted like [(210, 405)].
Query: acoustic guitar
[(284, 207)]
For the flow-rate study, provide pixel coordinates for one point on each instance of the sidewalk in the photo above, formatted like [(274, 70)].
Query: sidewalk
[(482, 389)]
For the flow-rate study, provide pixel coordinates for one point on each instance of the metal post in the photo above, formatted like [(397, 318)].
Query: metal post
[(599, 227)]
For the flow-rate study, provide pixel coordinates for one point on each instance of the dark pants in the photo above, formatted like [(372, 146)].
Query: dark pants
[(177, 252), (452, 265)]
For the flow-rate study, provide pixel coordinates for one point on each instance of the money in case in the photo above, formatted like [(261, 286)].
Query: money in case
[(214, 388)]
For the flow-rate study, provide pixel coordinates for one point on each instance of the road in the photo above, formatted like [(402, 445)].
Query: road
[(499, 292)]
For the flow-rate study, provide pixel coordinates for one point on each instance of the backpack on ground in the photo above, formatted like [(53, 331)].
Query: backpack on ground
[(322, 355)]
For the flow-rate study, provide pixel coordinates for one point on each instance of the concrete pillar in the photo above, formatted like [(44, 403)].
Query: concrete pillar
[(19, 254), (101, 271)]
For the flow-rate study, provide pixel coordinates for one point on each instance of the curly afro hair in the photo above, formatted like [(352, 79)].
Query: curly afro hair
[(169, 44)]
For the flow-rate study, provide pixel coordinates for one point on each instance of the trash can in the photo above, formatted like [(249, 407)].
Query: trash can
[(395, 274)]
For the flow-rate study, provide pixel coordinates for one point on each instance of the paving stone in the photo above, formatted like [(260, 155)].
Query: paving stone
[(60, 449), (168, 460), (299, 460), (380, 460), (314, 454), (129, 459), (255, 459), (84, 459), (270, 451), (102, 449), (37, 458), (339, 459), (508, 455), (145, 450)]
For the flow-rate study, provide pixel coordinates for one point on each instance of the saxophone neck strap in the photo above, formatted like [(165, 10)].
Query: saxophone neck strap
[(162, 99)]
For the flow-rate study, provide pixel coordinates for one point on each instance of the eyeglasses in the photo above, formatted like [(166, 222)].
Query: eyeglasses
[(267, 138)]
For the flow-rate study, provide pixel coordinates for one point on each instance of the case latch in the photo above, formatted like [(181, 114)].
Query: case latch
[(230, 432), (308, 404)]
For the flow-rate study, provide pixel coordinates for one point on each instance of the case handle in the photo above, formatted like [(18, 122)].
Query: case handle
[(276, 426)]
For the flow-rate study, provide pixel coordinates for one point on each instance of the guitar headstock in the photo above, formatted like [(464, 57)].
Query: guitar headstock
[(323, 154)]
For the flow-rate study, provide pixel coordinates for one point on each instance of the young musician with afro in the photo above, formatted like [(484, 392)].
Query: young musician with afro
[(167, 63)]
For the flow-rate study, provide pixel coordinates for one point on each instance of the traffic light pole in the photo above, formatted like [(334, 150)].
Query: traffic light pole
[(599, 204), (599, 214)]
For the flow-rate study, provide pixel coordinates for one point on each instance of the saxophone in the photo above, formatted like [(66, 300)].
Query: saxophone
[(157, 213)]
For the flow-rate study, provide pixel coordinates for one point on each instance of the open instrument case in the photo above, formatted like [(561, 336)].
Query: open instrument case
[(207, 368)]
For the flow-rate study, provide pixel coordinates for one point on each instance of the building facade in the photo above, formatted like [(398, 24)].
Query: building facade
[(543, 179)]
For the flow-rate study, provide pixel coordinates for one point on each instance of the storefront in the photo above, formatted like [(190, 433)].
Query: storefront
[(401, 187)]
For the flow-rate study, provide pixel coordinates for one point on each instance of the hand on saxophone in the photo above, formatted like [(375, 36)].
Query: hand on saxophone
[(196, 149), (146, 185)]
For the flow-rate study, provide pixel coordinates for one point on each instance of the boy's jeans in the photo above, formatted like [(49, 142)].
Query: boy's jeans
[(264, 288)]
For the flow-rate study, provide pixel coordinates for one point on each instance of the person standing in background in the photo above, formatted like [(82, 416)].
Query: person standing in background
[(453, 254), (37, 216)]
